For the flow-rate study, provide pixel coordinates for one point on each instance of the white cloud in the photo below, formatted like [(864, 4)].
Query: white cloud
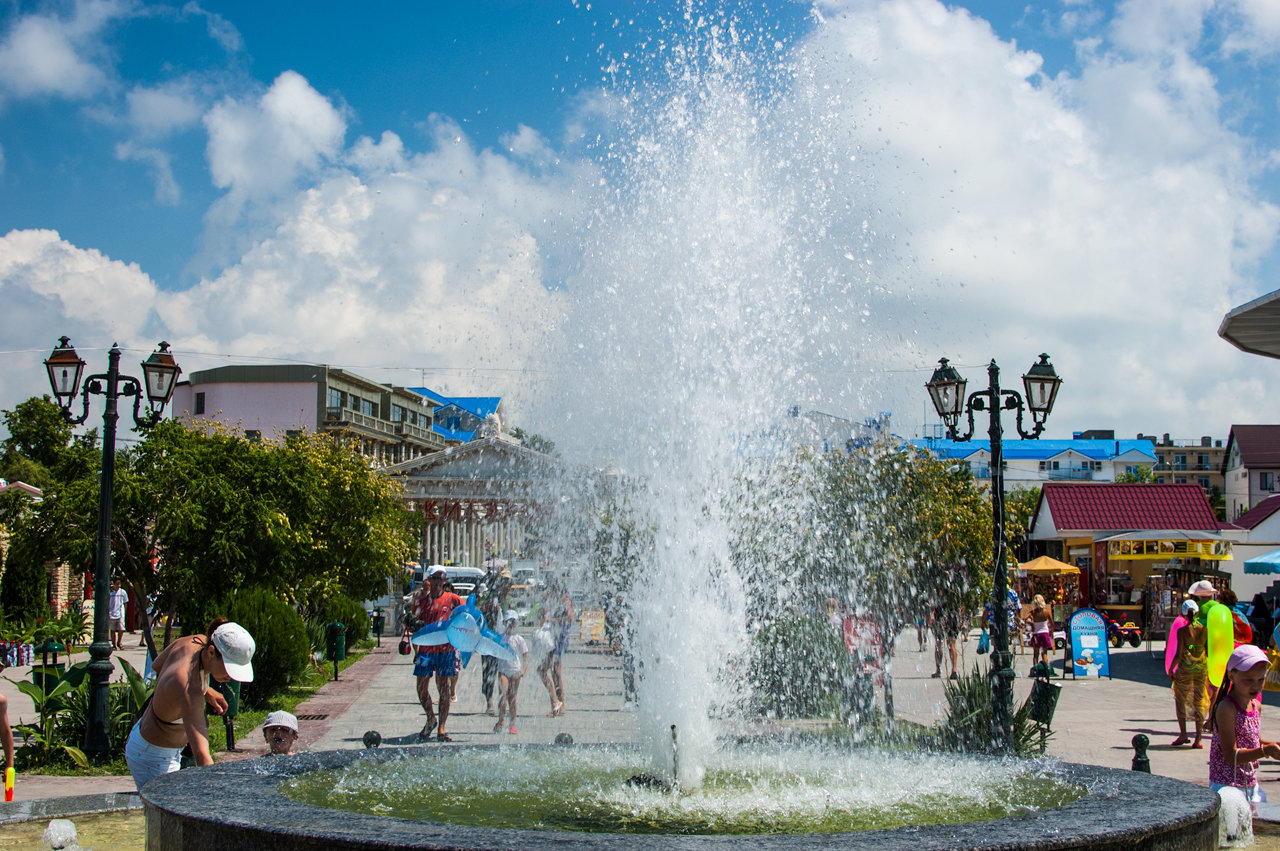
[(160, 165), (1108, 219), (427, 259), (50, 287), (257, 149), (220, 29), (155, 111), (42, 55)]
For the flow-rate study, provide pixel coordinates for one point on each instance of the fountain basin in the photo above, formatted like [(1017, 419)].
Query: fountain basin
[(239, 806)]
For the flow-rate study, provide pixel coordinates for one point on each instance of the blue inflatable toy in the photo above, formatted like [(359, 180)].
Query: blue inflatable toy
[(465, 630)]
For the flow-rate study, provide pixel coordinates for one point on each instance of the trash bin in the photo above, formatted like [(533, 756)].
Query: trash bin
[(377, 620), (1044, 700), (336, 644)]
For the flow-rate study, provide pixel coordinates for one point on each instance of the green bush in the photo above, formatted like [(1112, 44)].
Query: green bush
[(968, 725), (281, 638), (799, 667), (350, 614)]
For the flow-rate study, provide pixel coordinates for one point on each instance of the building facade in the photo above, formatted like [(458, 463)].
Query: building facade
[(386, 423), (1031, 463), (1197, 461), (1250, 467)]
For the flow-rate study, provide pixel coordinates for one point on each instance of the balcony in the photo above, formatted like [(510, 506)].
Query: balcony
[(1072, 474)]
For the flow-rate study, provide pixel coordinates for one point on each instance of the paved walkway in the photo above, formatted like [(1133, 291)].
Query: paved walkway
[(1094, 723)]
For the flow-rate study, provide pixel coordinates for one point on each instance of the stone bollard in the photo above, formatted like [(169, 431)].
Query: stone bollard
[(1140, 761)]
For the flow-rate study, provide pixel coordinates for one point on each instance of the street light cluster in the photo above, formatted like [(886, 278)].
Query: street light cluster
[(160, 373), (947, 390)]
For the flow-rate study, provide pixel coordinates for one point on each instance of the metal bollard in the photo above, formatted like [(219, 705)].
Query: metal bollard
[(1140, 761)]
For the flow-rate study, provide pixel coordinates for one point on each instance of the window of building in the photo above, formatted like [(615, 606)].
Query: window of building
[(199, 403), (1202, 461), (1180, 461), (355, 402), (368, 408), (1179, 480), (252, 435), (336, 399), (293, 432), (1203, 481), (1267, 481), (398, 414)]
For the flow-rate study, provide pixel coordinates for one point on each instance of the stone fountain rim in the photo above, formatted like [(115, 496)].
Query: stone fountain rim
[(243, 797)]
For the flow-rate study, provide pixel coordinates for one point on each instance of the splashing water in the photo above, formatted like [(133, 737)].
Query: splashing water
[(711, 296)]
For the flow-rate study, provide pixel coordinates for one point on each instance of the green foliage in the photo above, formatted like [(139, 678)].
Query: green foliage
[(283, 650), (1139, 475), (536, 442), (24, 587), (350, 614), (798, 668), (968, 725), (37, 431), (53, 738)]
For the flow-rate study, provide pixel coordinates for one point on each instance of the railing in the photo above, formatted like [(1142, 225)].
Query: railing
[(1070, 473)]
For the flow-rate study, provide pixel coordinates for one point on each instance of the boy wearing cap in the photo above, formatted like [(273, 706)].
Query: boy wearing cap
[(174, 715), (281, 732), (509, 674), (442, 661)]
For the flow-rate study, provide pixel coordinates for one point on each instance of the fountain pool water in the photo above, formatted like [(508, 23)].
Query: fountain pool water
[(747, 789)]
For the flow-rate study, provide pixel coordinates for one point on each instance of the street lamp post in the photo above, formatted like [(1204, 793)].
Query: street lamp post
[(161, 374), (947, 390)]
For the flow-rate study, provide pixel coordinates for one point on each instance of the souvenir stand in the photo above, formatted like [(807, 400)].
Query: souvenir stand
[(1056, 581)]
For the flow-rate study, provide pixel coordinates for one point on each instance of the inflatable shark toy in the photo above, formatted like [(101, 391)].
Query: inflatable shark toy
[(465, 630)]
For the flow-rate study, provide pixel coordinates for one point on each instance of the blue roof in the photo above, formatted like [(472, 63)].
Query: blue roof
[(1036, 450), (481, 406)]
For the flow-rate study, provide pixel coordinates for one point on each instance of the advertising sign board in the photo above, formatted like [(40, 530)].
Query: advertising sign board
[(1089, 650)]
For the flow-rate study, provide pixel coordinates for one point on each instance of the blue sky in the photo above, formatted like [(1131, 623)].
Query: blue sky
[(437, 192)]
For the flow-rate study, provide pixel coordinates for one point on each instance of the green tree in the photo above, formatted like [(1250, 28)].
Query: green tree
[(37, 431), (536, 442), (1019, 506), (1139, 475)]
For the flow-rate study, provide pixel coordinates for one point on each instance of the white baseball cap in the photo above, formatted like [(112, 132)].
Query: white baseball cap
[(434, 569), (280, 718), (236, 646), (510, 616)]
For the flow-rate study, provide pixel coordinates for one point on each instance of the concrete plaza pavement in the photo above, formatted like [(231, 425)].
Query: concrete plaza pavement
[(1094, 722)]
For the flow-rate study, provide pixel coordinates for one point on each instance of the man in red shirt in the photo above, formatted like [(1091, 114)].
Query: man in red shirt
[(442, 661)]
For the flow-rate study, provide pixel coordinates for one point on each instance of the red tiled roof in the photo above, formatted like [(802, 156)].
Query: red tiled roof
[(1259, 444), (1110, 506), (1251, 518)]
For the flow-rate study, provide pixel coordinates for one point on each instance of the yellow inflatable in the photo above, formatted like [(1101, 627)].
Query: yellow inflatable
[(1221, 642)]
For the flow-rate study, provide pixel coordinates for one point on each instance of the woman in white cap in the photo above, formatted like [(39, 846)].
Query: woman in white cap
[(174, 715), (509, 674)]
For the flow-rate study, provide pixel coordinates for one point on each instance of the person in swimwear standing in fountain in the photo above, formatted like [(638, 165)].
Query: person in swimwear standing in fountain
[(174, 715)]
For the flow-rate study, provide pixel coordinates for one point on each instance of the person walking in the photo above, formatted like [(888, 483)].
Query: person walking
[(1041, 621), (174, 714), (440, 661), (510, 674), (1190, 668), (117, 600)]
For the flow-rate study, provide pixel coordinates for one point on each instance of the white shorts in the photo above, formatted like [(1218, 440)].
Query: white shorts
[(117, 625), (147, 761)]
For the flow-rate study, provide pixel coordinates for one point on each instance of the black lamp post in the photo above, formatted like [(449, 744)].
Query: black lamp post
[(947, 389), (161, 374)]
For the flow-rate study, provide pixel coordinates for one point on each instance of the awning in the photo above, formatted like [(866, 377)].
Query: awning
[(1167, 543), (1046, 565), (1254, 327), (1265, 563)]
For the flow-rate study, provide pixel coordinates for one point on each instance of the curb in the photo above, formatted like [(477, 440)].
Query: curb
[(74, 805)]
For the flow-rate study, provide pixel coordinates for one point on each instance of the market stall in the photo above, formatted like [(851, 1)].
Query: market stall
[(1056, 581)]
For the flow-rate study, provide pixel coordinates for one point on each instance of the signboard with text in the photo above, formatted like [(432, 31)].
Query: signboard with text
[(1087, 645)]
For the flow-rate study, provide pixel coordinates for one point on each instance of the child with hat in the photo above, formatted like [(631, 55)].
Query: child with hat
[(1236, 723), (281, 732)]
